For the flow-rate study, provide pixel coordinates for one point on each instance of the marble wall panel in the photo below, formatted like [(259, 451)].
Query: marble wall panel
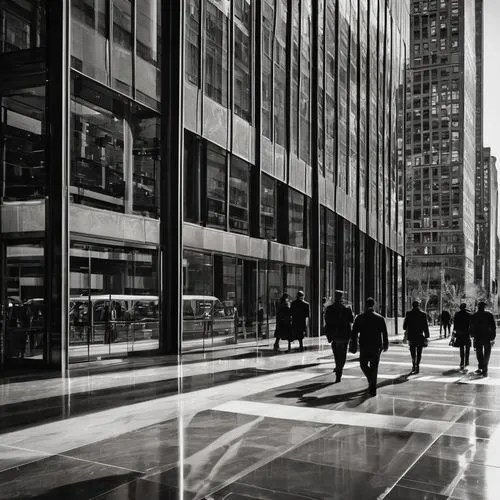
[(215, 123), (21, 217), (242, 138), (112, 225), (309, 177), (267, 156), (280, 161), (192, 108)]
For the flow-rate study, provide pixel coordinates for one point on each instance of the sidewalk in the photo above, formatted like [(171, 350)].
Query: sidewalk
[(398, 339)]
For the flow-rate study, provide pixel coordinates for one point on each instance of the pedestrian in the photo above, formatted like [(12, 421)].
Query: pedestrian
[(417, 332), (338, 321), (461, 324), (283, 329), (483, 331), (301, 313), (445, 323), (373, 340)]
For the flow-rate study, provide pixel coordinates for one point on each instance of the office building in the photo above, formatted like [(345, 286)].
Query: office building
[(171, 168), (441, 151), (487, 228)]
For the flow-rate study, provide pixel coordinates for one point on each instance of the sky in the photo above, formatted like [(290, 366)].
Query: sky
[(492, 76)]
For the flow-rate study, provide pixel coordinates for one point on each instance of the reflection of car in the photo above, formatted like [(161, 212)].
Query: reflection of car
[(205, 314)]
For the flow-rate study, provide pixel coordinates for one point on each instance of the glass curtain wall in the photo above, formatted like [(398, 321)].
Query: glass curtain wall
[(114, 301)]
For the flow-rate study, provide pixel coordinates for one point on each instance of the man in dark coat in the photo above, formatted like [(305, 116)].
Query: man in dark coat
[(445, 323), (461, 323), (373, 339), (338, 321), (417, 331), (483, 330), (301, 313)]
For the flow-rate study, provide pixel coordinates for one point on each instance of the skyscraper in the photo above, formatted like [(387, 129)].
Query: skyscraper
[(441, 150), (486, 226)]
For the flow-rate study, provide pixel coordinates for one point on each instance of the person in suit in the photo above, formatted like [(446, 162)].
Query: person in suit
[(417, 332), (483, 330), (301, 313), (283, 329), (445, 323), (338, 321), (461, 322), (373, 339)]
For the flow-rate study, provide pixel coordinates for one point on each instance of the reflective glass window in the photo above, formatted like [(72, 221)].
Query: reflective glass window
[(114, 301), (297, 219), (89, 32), (22, 26), (148, 36), (239, 191), (24, 301), (22, 116), (192, 67), (268, 208), (121, 54), (216, 187), (267, 62), (242, 58), (216, 48), (280, 111)]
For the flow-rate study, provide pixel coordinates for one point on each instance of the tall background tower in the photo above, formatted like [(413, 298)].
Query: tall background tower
[(441, 137)]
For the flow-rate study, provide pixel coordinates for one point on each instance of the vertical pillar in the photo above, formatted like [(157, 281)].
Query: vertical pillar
[(315, 246), (58, 134), (171, 209)]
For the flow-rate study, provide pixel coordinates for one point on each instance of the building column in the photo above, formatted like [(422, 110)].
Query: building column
[(58, 137), (315, 246), (171, 176)]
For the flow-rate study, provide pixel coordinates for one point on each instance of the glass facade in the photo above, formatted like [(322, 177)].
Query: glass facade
[(287, 109)]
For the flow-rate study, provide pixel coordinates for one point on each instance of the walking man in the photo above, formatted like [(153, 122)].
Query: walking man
[(483, 331), (461, 324), (373, 340), (417, 333), (445, 323), (338, 321), (301, 313)]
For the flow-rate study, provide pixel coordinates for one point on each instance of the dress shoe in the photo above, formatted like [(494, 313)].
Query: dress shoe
[(417, 369), (485, 373), (478, 371)]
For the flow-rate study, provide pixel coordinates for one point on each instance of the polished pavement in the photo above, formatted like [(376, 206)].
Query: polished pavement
[(256, 425)]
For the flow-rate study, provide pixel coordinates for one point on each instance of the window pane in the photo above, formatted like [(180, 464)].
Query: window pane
[(193, 41), (23, 145), (268, 208), (146, 164), (88, 38), (114, 300), (296, 212), (216, 54), (239, 186), (121, 58), (267, 64), (148, 74), (23, 25), (25, 304), (216, 188), (242, 62), (97, 155)]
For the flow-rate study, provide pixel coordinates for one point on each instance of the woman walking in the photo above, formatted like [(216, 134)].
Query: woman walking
[(283, 329), (461, 322), (417, 333)]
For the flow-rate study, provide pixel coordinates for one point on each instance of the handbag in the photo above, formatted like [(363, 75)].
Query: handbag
[(454, 341)]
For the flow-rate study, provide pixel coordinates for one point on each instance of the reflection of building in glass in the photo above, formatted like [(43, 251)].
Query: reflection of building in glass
[(441, 150), (290, 146)]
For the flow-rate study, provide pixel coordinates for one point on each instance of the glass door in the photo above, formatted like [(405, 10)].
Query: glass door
[(23, 308)]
